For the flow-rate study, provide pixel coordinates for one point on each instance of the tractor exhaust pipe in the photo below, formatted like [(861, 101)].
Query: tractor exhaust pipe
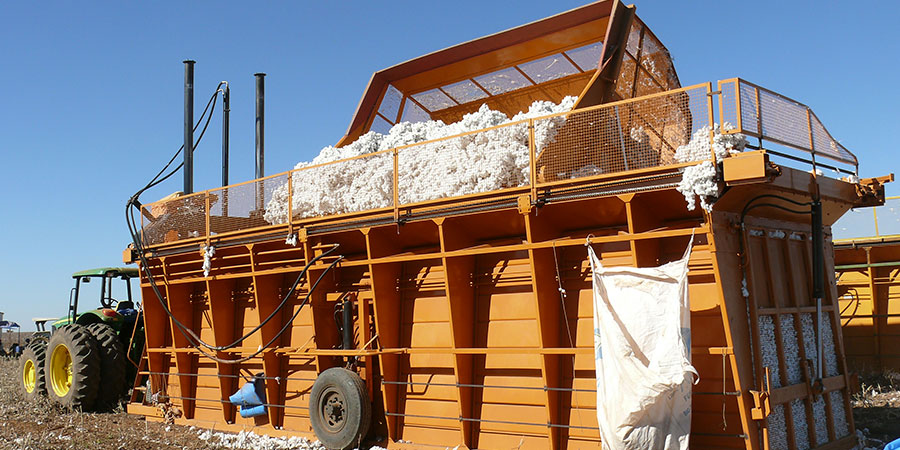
[(189, 126)]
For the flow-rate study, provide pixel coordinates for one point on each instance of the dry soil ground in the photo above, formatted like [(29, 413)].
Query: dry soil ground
[(41, 426)]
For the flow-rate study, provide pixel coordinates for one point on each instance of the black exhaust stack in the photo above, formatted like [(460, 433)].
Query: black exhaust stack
[(226, 111), (260, 123), (189, 126)]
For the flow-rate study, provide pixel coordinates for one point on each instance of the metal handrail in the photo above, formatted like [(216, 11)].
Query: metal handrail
[(703, 114)]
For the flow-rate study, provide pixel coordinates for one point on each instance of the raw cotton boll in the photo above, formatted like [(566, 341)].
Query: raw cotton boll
[(841, 427), (791, 349), (777, 234), (639, 135), (821, 420), (697, 149), (699, 181), (831, 363), (769, 349), (777, 428), (798, 411), (406, 133), (458, 165)]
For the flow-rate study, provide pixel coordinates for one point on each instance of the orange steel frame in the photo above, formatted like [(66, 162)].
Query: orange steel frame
[(460, 325), (868, 277), (462, 335), (473, 314)]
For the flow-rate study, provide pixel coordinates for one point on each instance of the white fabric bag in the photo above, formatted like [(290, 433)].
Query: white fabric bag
[(642, 337)]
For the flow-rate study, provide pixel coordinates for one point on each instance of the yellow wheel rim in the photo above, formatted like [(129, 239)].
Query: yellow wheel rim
[(29, 376), (61, 370)]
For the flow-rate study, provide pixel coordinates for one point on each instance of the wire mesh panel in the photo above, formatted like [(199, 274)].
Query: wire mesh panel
[(771, 116), (243, 206), (340, 187), (473, 163), (826, 145), (631, 135), (175, 219), (728, 110)]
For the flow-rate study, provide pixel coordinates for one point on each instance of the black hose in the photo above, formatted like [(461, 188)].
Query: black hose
[(189, 334)]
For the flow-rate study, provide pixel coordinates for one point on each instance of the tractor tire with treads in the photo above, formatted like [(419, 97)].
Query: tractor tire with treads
[(31, 370), (72, 369), (112, 367), (339, 409)]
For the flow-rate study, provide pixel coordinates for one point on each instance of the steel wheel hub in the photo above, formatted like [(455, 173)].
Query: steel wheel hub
[(333, 410)]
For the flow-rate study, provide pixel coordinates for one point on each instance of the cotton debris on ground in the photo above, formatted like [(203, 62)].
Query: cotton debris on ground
[(699, 181), (253, 441), (478, 162)]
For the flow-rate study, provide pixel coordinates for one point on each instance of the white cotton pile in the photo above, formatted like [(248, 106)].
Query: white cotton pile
[(250, 440), (477, 162), (807, 320), (777, 428), (841, 427), (798, 413), (821, 420), (791, 349), (699, 181), (769, 350), (777, 234), (639, 135)]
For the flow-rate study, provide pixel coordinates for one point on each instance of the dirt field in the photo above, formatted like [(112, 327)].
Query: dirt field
[(41, 426), (876, 409)]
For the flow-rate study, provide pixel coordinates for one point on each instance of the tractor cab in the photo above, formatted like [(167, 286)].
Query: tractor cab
[(116, 308)]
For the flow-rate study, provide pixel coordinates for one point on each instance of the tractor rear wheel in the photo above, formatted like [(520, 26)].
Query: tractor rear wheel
[(73, 368), (112, 367), (31, 368), (339, 409)]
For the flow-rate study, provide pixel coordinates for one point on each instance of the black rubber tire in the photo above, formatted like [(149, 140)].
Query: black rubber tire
[(36, 353), (82, 347), (112, 367), (339, 409)]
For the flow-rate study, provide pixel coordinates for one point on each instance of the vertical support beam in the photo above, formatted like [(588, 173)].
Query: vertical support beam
[(838, 337), (547, 305), (180, 304), (532, 161), (157, 328), (458, 273), (324, 327), (222, 312), (386, 293), (876, 310), (267, 295), (741, 335)]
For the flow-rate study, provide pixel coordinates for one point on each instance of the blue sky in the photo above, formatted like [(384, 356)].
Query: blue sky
[(91, 95)]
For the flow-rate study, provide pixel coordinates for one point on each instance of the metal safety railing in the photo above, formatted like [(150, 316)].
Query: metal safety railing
[(755, 111), (614, 140)]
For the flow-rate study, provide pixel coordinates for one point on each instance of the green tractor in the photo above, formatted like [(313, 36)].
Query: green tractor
[(89, 360)]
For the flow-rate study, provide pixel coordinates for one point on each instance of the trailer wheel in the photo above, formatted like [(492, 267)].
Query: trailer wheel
[(112, 366), (73, 368), (339, 408), (31, 368)]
